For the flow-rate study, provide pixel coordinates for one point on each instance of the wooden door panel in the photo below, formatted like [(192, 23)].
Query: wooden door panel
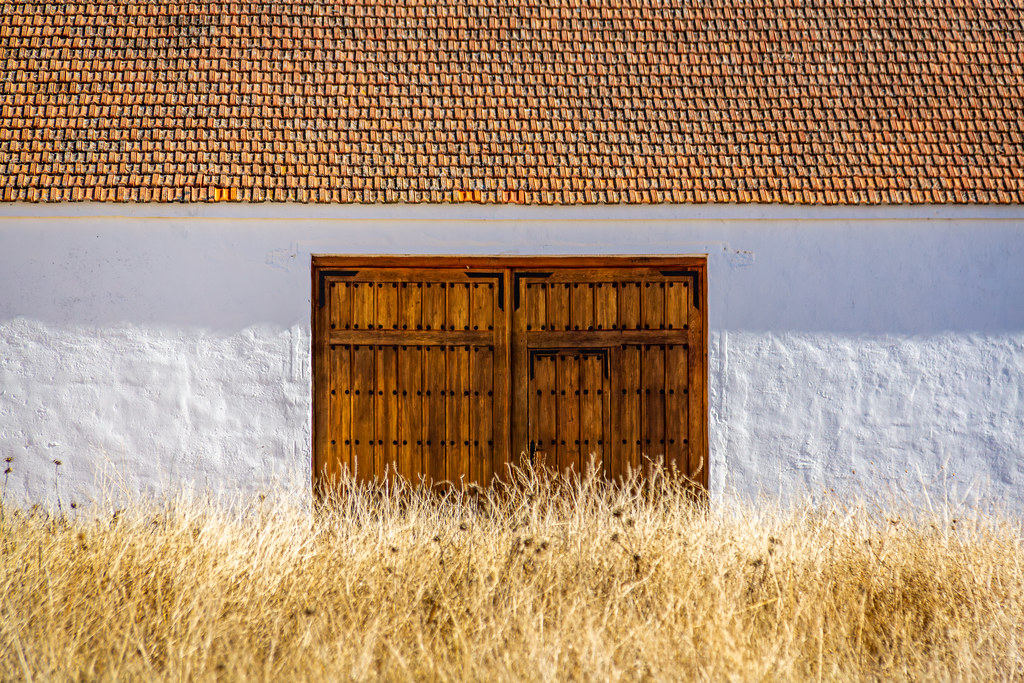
[(417, 356), (441, 368), (639, 318)]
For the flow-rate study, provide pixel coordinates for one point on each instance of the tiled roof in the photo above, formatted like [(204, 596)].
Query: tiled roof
[(513, 101)]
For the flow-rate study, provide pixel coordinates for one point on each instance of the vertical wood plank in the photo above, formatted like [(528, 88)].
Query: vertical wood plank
[(608, 434), (518, 377), (629, 409), (363, 446), (459, 406), (387, 306), (481, 307), (543, 411), (606, 312), (557, 305), (568, 427), (340, 429), (629, 305), (387, 410), (676, 409), (458, 414), (592, 414), (410, 422), (535, 305), (481, 445), (652, 305), (435, 384), (458, 305), (504, 387), (410, 305), (653, 368), (581, 303), (676, 306), (340, 305), (363, 306), (434, 305), (410, 384)]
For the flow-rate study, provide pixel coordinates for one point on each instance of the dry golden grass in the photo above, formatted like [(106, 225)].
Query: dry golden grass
[(588, 581)]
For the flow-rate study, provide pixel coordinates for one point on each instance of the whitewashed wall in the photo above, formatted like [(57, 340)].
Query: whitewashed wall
[(851, 348)]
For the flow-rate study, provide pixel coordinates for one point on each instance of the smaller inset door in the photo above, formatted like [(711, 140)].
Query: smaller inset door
[(569, 407)]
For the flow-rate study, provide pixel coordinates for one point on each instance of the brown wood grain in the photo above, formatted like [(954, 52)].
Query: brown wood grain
[(653, 394), (435, 386), (568, 421), (629, 304), (581, 306), (543, 411), (606, 309), (677, 427), (481, 447), (593, 415), (652, 305), (557, 305), (421, 337), (387, 412), (364, 298), (629, 405), (458, 414), (535, 309), (542, 340), (437, 364), (340, 429), (363, 404), (410, 412)]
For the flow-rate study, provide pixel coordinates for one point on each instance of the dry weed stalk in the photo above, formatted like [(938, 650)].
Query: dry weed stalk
[(546, 579)]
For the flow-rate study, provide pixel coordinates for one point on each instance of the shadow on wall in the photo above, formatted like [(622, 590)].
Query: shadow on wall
[(901, 277)]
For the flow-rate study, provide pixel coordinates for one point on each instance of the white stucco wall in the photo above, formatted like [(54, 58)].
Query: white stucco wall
[(863, 348)]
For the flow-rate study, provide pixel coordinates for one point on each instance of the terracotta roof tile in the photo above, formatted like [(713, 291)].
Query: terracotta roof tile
[(517, 101)]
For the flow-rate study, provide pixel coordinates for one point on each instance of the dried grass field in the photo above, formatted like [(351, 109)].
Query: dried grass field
[(549, 580)]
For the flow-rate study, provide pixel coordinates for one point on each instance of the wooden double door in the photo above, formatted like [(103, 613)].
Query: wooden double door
[(447, 369)]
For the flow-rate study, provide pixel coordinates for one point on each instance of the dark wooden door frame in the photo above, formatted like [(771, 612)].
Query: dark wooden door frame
[(510, 272)]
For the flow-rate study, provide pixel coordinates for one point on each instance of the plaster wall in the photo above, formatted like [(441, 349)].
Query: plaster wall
[(870, 349)]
